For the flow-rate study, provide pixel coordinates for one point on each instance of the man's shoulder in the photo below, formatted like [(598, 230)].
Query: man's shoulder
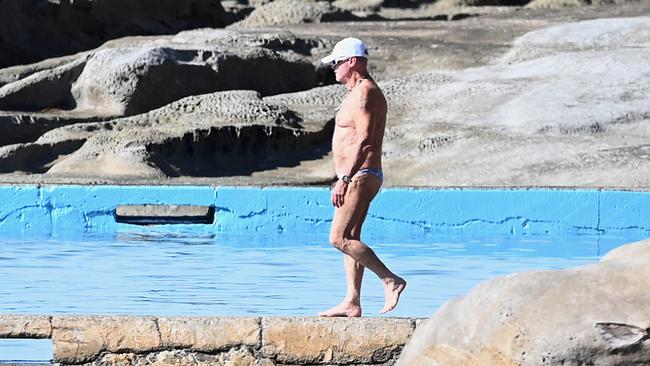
[(370, 88), (370, 91)]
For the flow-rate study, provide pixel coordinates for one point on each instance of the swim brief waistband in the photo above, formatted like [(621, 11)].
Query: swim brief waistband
[(374, 171)]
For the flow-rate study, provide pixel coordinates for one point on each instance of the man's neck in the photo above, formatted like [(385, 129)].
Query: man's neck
[(355, 79)]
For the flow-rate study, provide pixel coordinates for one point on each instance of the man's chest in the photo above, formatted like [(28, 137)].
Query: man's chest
[(344, 116)]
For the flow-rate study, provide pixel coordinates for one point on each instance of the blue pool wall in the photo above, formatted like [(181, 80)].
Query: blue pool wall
[(405, 211)]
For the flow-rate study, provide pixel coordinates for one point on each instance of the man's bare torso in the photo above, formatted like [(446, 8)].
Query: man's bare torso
[(365, 100)]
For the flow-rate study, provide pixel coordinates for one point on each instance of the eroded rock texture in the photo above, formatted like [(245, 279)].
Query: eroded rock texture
[(561, 105), (32, 30), (182, 124), (589, 315)]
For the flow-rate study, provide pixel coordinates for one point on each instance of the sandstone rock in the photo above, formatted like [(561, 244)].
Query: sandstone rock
[(25, 326), (49, 88), (556, 3), (80, 339), (15, 73), (333, 341), (561, 3), (356, 5), (639, 249), (208, 335), (600, 35), (148, 73), (128, 82), (235, 357), (548, 109), (133, 76), (59, 27), (594, 314), (281, 12), (546, 113), (35, 157), (18, 128), (227, 133), (460, 3)]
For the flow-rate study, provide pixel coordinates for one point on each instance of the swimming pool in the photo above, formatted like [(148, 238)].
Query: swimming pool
[(264, 251), (162, 273)]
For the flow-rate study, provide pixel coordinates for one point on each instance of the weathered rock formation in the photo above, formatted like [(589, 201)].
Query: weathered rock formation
[(32, 30), (590, 315), (135, 75), (218, 134), (282, 12), (544, 111), (206, 134), (566, 104), (136, 340)]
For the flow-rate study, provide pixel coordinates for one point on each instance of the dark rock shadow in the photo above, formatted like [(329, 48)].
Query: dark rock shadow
[(35, 158), (232, 151), (38, 29), (23, 128)]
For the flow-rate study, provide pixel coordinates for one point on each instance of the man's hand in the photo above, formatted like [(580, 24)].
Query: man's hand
[(338, 193)]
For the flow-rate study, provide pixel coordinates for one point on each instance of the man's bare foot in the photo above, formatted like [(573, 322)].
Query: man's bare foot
[(393, 288), (343, 309)]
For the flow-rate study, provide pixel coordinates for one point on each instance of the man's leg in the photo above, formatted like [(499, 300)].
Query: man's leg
[(353, 212), (351, 304), (353, 269)]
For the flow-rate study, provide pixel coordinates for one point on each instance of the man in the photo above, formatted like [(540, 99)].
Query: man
[(356, 146)]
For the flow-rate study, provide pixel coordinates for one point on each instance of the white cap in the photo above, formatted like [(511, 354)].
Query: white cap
[(348, 47)]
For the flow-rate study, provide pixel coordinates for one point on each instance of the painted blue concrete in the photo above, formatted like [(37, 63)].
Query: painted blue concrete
[(55, 209)]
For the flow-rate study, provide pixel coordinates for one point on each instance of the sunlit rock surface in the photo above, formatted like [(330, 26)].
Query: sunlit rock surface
[(487, 100), (146, 340), (589, 315)]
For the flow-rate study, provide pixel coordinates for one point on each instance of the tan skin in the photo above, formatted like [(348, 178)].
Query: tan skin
[(357, 144)]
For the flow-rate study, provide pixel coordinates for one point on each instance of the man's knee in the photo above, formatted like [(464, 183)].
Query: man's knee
[(338, 241)]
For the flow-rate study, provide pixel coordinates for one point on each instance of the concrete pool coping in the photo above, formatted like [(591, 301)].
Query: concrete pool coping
[(240, 340), (273, 209)]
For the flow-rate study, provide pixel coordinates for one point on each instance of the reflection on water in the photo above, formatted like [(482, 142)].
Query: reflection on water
[(162, 273)]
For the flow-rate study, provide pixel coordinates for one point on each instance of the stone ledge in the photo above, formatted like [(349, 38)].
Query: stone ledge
[(136, 340), (25, 326)]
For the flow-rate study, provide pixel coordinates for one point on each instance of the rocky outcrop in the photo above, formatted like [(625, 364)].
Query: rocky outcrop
[(44, 89), (202, 135), (37, 29), (590, 315), (563, 3), (135, 75), (545, 112), (283, 12), (136, 340), (216, 134)]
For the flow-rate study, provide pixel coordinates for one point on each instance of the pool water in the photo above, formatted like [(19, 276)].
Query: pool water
[(162, 273)]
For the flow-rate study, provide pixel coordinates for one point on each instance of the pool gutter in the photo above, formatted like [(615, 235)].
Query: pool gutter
[(407, 211)]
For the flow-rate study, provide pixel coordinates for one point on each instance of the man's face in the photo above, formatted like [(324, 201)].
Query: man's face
[(340, 68)]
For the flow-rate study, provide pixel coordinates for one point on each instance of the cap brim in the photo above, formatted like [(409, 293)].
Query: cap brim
[(327, 59)]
